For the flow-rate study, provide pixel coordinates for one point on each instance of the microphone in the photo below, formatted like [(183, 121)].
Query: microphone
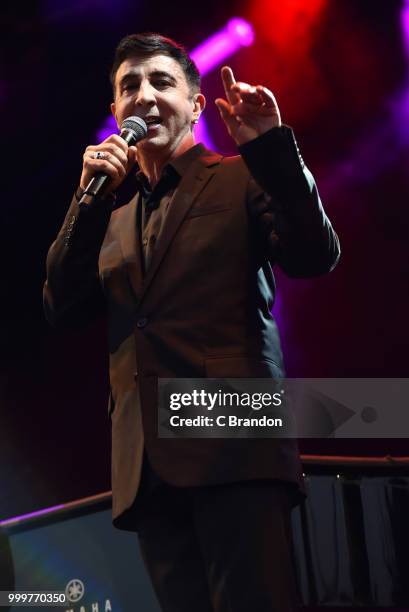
[(133, 129)]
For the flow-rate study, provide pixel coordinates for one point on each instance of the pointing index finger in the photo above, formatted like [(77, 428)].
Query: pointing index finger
[(228, 81)]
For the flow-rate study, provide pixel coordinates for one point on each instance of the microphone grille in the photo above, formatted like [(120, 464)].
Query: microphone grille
[(136, 124)]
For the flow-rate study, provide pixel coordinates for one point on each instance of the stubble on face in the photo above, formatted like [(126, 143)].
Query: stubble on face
[(156, 87)]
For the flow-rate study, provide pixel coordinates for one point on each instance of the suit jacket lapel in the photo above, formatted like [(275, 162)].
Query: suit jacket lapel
[(189, 188), (131, 244)]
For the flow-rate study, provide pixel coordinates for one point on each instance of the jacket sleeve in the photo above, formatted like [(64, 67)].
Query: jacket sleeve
[(72, 292), (284, 204)]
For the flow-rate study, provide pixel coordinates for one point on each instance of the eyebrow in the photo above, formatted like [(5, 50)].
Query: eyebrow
[(156, 73)]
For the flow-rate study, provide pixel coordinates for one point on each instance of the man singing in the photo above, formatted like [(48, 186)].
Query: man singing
[(184, 272)]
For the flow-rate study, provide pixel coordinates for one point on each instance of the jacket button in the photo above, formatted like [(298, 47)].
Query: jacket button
[(141, 322)]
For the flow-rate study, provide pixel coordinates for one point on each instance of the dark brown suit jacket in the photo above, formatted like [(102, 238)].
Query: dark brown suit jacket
[(204, 307)]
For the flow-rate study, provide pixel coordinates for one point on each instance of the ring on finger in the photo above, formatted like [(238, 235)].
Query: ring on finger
[(99, 155)]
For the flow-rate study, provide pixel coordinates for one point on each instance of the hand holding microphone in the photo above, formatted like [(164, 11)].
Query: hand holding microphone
[(106, 165)]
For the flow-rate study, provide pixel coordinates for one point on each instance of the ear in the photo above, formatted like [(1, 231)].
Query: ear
[(113, 111), (199, 104)]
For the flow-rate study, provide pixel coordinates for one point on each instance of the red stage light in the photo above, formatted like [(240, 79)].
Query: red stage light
[(286, 24)]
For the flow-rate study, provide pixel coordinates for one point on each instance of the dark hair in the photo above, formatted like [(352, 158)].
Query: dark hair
[(151, 43)]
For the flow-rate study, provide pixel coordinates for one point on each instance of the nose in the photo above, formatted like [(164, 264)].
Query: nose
[(146, 95)]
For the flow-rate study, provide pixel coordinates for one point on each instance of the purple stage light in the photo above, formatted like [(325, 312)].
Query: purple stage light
[(405, 25), (202, 134), (390, 137), (400, 105), (222, 44), (108, 127), (241, 30)]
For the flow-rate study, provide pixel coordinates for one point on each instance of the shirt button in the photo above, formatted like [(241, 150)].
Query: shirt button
[(141, 322)]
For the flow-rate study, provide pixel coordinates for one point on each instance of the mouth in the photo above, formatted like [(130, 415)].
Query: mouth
[(152, 121)]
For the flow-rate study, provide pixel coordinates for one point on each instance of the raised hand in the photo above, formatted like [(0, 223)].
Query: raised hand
[(249, 110)]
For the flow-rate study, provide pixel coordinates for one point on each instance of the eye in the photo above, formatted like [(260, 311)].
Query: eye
[(129, 87), (162, 83)]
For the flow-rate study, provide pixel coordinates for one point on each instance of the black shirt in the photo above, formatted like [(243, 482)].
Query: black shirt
[(156, 202)]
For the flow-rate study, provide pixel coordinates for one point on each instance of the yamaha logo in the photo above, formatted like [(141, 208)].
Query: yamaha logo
[(74, 590)]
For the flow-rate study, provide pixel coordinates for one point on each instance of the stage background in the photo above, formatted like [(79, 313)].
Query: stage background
[(339, 70)]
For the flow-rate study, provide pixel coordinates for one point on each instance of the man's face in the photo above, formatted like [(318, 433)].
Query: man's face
[(155, 88)]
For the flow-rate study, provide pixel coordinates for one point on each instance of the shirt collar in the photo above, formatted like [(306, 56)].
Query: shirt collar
[(182, 163), (174, 169)]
